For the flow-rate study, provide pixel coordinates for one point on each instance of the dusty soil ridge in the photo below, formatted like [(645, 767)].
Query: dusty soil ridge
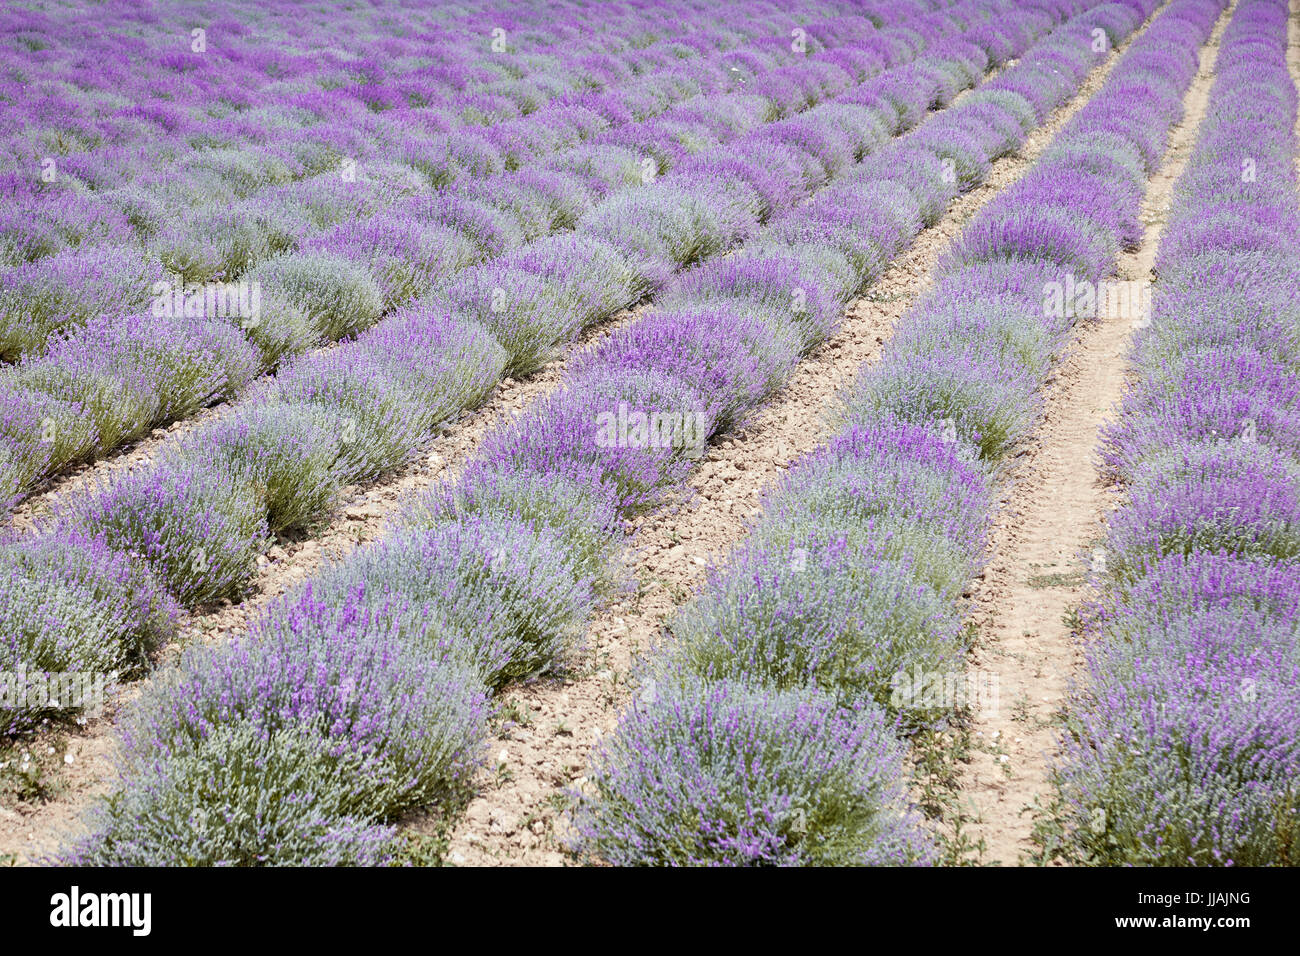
[(1054, 513), (542, 751)]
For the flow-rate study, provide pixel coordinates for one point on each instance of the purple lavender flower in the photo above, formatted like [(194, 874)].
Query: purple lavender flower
[(199, 529), (725, 774)]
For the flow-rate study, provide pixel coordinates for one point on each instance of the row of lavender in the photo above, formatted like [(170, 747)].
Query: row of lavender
[(1184, 747), (116, 560), (771, 732), (229, 243), (264, 94), (239, 118), (493, 577), (341, 254), (594, 107), (218, 240)]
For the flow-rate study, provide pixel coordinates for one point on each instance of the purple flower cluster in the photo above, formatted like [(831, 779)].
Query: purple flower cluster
[(502, 593), (199, 528), (60, 292), (71, 605), (321, 725), (241, 796), (827, 612), (1183, 743), (730, 774)]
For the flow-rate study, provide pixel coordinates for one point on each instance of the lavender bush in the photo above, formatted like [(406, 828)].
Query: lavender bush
[(62, 291), (505, 591), (288, 454), (820, 614), (379, 421), (582, 514), (241, 797), (725, 774), (72, 608), (339, 296), (199, 528), (636, 429), (408, 728)]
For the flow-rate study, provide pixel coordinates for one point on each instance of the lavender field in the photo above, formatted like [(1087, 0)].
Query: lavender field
[(650, 433)]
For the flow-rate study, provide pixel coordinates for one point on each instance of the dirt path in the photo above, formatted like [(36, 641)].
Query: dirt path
[(1054, 514), (1293, 61), (542, 751)]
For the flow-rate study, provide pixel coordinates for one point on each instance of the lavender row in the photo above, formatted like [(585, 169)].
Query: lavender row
[(199, 518), (51, 296), (86, 394), (358, 411), (258, 90), (496, 575), (269, 208), (847, 595), (1183, 747), (421, 141)]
